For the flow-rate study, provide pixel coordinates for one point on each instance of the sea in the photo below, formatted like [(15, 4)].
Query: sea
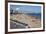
[(36, 15)]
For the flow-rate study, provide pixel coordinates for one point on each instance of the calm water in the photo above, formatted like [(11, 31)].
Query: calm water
[(37, 16), (34, 14)]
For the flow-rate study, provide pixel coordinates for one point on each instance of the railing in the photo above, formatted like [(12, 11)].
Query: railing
[(24, 24)]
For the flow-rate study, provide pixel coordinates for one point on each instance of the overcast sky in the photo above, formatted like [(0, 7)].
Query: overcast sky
[(26, 8)]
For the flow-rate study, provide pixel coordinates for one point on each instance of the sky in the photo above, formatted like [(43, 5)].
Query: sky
[(26, 8)]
